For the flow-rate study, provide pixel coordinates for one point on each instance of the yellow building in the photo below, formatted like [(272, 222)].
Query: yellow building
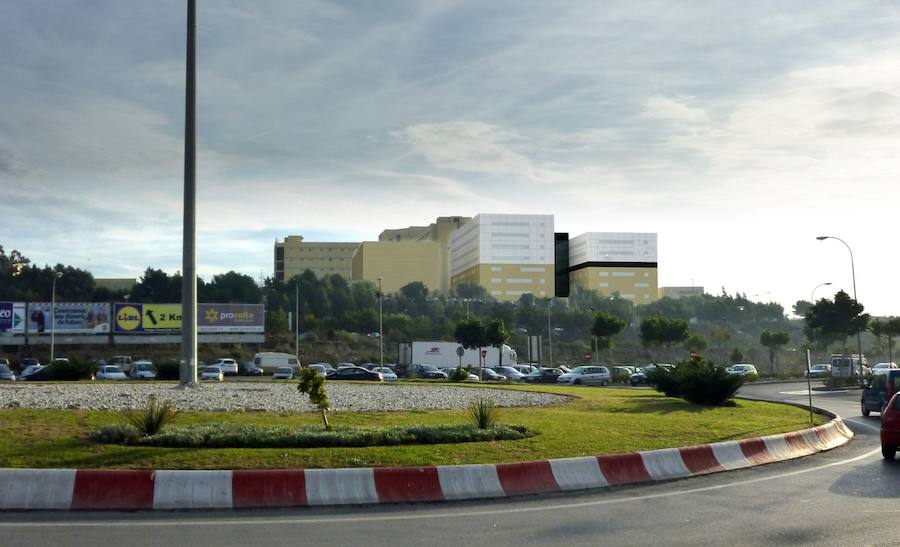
[(293, 256), (439, 232), (680, 292), (613, 262), (508, 255), (398, 263)]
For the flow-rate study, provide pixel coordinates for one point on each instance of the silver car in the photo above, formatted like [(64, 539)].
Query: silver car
[(586, 375)]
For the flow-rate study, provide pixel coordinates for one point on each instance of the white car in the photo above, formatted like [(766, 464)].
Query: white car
[(143, 370), (387, 373), (882, 368), (110, 372), (319, 368), (586, 375), (742, 369), (212, 372), (229, 366), (283, 373)]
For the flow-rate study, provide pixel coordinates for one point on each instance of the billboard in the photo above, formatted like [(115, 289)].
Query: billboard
[(12, 316), (70, 318), (158, 318)]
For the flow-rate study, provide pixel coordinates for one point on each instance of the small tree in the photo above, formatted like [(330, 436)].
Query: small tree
[(471, 334), (736, 356), (495, 334), (605, 327), (661, 331), (773, 340), (888, 328), (835, 320), (314, 386), (696, 343)]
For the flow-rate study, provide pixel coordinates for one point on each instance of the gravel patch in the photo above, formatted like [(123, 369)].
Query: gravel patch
[(260, 396)]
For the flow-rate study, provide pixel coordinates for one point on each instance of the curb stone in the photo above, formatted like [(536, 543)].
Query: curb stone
[(95, 489)]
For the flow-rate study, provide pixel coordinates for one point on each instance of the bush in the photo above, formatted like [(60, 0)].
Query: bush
[(620, 377), (850, 381), (153, 418), (71, 371), (231, 435), (697, 381), (483, 412), (168, 369), (460, 374)]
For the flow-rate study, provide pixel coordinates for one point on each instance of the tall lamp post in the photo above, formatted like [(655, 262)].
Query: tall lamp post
[(297, 319), (56, 276), (188, 372), (550, 329), (381, 321), (853, 273)]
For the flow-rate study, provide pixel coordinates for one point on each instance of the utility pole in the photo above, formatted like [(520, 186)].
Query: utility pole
[(188, 371), (381, 321), (550, 330), (56, 276), (297, 319)]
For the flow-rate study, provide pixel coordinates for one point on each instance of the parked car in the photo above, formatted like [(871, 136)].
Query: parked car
[(143, 370), (327, 366), (387, 373), (742, 369), (890, 428), (821, 370), (509, 372), (213, 372), (879, 390), (543, 376), (356, 373), (640, 377), (229, 366), (586, 375), (270, 360), (369, 366), (423, 370), (6, 374), (110, 372), (30, 370), (323, 372), (339, 366), (122, 361), (880, 367), (525, 369), (283, 373), (249, 369), (25, 363)]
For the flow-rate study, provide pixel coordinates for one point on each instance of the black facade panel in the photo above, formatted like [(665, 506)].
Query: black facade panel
[(561, 263)]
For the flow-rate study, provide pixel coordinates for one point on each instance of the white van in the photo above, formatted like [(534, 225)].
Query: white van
[(270, 360)]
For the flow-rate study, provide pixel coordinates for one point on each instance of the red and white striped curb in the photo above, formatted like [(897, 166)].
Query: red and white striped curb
[(164, 489)]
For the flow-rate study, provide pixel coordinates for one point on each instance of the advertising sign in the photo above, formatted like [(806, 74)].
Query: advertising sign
[(155, 318), (71, 318), (12, 316)]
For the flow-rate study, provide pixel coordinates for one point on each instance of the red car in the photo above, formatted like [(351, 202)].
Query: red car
[(890, 428)]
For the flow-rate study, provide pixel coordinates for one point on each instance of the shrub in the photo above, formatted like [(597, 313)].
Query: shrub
[(231, 435), (483, 412), (314, 386), (460, 374), (71, 371), (697, 381), (850, 381), (620, 376), (168, 369), (153, 418)]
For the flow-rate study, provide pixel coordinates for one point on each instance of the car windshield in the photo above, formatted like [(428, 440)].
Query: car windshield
[(4, 368), (113, 369), (579, 370), (282, 370)]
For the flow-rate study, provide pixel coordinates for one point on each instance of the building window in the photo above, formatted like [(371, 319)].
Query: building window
[(603, 285), (604, 274), (623, 274), (496, 280), (496, 269), (641, 285)]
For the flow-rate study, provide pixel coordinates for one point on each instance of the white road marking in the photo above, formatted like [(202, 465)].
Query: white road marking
[(806, 392)]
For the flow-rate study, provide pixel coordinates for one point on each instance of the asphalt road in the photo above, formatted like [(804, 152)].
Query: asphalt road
[(848, 496)]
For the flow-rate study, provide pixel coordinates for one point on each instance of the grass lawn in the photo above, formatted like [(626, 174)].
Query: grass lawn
[(598, 421)]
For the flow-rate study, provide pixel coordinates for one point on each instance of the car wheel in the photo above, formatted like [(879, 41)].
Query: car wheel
[(577, 382), (888, 451), (604, 383), (865, 411)]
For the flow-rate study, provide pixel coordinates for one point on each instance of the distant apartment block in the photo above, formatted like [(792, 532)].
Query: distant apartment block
[(680, 292), (615, 262), (508, 255), (438, 232), (293, 256)]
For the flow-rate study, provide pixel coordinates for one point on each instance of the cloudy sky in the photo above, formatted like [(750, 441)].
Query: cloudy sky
[(738, 131)]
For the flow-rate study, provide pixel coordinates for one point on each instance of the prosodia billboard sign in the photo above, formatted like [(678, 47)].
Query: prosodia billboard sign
[(211, 318)]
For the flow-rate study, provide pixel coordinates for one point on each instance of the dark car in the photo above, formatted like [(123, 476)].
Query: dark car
[(490, 375), (543, 376), (355, 373), (250, 369), (640, 377), (423, 370), (27, 362), (879, 390)]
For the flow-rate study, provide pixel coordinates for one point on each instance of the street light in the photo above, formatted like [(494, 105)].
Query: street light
[(381, 321), (853, 273), (550, 329), (53, 315), (812, 300), (187, 374), (297, 319)]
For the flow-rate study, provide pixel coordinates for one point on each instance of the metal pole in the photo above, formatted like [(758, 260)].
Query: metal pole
[(297, 320), (809, 387), (56, 276), (858, 334), (188, 371), (381, 321)]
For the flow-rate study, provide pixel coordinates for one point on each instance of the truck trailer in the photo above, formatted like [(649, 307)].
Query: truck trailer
[(444, 354)]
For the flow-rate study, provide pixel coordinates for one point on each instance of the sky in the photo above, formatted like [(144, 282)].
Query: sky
[(737, 131)]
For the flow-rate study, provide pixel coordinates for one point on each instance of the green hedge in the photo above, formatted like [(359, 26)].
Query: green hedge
[(697, 381), (228, 435)]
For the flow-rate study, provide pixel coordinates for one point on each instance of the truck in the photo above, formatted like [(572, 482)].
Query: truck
[(444, 355)]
